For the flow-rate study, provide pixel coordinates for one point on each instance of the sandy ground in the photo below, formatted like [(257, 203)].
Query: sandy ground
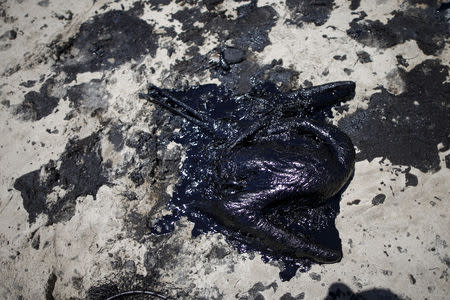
[(69, 111)]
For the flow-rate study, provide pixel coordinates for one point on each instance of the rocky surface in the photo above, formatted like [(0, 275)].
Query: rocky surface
[(88, 168)]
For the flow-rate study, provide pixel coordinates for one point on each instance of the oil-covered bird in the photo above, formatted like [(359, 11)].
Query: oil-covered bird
[(251, 155)]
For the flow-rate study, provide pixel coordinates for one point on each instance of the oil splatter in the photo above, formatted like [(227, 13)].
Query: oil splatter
[(411, 179), (38, 105), (354, 4), (378, 199)]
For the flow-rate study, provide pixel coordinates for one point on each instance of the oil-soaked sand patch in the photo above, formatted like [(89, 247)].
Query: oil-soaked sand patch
[(315, 11), (406, 128), (248, 31), (107, 41), (428, 27), (54, 188)]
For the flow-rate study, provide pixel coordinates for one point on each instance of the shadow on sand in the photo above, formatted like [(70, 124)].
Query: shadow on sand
[(340, 291)]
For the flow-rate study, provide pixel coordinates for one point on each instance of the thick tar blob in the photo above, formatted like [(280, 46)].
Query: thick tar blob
[(262, 168)]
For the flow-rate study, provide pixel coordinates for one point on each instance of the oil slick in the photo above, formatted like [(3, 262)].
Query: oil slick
[(262, 168)]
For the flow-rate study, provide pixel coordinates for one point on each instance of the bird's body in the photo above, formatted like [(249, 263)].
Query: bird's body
[(264, 155)]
